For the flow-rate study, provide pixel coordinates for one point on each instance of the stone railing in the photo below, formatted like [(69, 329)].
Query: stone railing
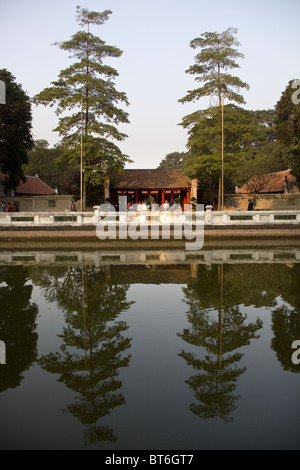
[(45, 219), (208, 217), (250, 217)]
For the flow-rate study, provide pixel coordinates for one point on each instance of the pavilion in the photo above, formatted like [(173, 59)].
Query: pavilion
[(162, 185)]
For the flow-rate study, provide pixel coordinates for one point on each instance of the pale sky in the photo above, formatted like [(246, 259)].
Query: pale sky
[(154, 36)]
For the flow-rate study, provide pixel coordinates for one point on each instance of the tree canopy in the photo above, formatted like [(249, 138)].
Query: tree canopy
[(217, 54), (287, 125), (43, 160), (249, 148), (172, 161), (15, 130)]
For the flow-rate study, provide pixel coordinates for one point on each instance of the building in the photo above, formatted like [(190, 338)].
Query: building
[(161, 185), (33, 186), (281, 182), (273, 191), (34, 196)]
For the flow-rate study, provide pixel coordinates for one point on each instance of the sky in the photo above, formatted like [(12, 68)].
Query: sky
[(155, 37)]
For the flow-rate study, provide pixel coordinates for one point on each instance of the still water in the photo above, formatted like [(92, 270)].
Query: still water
[(150, 350)]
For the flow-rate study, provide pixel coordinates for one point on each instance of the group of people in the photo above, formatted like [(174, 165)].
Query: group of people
[(9, 208), (147, 206)]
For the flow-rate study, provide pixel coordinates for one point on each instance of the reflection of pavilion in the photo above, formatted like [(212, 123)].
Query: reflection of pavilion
[(162, 185), (149, 274)]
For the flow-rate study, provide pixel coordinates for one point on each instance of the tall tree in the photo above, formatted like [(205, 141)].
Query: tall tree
[(15, 130), (90, 82), (218, 54)]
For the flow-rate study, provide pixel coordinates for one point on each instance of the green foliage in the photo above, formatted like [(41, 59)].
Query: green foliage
[(217, 55), (247, 135), (87, 88), (294, 159), (15, 130), (287, 125), (172, 160), (44, 161)]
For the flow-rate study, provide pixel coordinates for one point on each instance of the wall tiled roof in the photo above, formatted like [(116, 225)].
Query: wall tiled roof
[(274, 183), (33, 186), (152, 179)]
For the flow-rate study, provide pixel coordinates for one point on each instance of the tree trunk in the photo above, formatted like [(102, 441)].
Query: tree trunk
[(219, 193), (84, 196)]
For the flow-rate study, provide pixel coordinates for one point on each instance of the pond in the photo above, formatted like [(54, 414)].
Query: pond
[(160, 349)]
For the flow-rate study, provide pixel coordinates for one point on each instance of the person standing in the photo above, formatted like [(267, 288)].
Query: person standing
[(250, 205), (3, 206)]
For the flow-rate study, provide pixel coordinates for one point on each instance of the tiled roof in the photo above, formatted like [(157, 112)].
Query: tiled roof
[(33, 186), (152, 179), (274, 183)]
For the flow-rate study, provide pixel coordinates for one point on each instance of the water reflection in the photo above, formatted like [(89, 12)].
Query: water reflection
[(93, 343), (221, 337), (286, 327), (99, 338), (18, 317)]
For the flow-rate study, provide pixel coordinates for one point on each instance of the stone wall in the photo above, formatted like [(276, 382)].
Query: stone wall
[(55, 203), (234, 202)]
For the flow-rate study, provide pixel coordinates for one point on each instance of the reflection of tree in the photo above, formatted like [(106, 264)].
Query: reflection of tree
[(261, 284), (17, 326), (93, 344), (221, 337), (286, 328)]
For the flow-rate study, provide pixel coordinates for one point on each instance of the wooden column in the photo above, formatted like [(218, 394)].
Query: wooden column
[(188, 196)]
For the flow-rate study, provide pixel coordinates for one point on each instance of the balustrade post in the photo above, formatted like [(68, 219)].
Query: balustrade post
[(96, 215), (208, 215)]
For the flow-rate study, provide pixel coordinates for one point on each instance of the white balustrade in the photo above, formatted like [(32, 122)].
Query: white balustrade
[(175, 219)]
